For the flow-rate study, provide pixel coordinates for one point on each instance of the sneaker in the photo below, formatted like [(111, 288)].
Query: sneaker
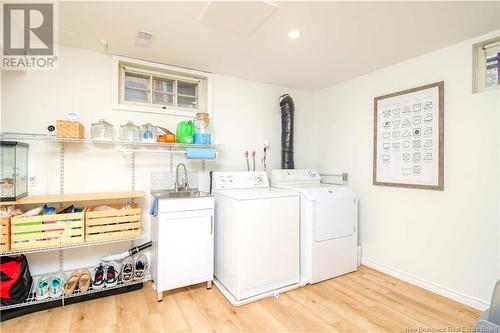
[(56, 284), (42, 288), (98, 277), (141, 266), (111, 276), (127, 270)]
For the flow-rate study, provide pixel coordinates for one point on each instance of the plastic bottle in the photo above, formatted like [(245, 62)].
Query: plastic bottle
[(185, 132), (202, 135)]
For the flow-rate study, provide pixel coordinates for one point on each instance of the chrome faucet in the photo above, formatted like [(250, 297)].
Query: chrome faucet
[(184, 187)]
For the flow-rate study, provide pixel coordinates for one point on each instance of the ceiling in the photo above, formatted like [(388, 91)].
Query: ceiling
[(339, 40)]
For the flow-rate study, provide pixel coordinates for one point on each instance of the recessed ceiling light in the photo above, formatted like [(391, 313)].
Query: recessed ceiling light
[(293, 34)]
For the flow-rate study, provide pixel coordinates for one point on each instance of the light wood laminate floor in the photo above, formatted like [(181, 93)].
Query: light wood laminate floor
[(364, 301)]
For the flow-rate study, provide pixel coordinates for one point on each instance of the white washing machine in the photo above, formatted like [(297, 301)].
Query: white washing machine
[(256, 236), (328, 225)]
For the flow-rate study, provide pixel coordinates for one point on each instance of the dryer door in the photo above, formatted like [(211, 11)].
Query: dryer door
[(335, 216)]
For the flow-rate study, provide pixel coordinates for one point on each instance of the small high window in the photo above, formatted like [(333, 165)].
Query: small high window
[(150, 87), (486, 65)]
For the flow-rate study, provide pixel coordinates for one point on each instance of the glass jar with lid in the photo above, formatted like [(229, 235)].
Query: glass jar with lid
[(130, 132), (149, 133), (102, 131), (202, 130)]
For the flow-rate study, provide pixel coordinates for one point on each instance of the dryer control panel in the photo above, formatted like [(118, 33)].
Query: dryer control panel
[(239, 179), (295, 177)]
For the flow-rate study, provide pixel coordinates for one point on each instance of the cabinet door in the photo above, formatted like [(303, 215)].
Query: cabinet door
[(187, 251)]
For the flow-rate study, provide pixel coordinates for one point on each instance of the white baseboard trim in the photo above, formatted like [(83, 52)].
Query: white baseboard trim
[(443, 291)]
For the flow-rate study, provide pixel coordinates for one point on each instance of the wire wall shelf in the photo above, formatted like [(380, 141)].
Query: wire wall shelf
[(31, 300), (131, 147), (52, 138), (70, 246)]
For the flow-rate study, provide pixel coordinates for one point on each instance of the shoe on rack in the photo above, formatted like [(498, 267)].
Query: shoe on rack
[(141, 266), (85, 280), (42, 288), (56, 284), (98, 277), (111, 279), (127, 270), (71, 283)]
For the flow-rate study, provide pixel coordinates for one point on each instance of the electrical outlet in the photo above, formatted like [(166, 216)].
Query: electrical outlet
[(32, 181), (267, 144)]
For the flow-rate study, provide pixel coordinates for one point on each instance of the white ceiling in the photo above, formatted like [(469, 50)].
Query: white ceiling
[(339, 40)]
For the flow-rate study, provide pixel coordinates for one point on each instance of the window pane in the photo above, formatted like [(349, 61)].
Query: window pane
[(136, 81), (492, 70), (159, 98), (136, 95), (187, 102), (162, 85), (184, 88)]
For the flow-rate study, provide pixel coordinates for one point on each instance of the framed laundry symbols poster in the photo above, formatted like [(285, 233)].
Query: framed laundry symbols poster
[(409, 139)]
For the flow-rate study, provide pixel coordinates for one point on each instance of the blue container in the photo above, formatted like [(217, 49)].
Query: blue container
[(202, 138)]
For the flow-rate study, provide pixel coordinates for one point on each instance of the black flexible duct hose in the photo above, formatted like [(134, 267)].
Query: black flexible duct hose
[(287, 109)]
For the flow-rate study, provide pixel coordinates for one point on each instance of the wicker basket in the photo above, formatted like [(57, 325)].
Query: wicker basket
[(46, 230), (4, 234), (69, 129), (112, 224)]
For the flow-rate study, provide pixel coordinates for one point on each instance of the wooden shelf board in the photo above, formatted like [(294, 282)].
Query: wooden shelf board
[(55, 198)]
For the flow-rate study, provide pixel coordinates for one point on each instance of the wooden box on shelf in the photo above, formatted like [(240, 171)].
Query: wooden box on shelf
[(112, 224), (69, 129), (4, 234), (46, 230)]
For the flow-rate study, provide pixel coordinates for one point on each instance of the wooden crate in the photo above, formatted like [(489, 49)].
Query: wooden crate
[(4, 234), (69, 129), (112, 224), (46, 230)]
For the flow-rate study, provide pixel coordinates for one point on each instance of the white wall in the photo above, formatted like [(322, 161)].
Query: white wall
[(446, 240), (245, 114)]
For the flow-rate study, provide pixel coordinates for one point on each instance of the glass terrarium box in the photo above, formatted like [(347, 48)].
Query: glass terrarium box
[(13, 170)]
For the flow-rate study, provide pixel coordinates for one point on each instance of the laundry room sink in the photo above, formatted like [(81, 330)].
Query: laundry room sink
[(174, 201), (172, 194)]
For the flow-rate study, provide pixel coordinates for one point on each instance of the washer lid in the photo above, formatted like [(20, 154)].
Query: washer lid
[(256, 193)]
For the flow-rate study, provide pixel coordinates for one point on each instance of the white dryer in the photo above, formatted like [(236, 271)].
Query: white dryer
[(256, 236), (328, 224)]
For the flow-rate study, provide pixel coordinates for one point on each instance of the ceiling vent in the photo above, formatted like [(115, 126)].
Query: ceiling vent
[(144, 38), (243, 17)]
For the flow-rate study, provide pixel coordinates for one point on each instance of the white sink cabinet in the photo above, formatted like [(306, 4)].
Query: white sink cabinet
[(183, 243)]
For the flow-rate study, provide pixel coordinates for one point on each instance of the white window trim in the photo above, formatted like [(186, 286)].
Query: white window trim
[(479, 64), (173, 111)]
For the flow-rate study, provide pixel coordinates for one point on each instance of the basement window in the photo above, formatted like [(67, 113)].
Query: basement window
[(486, 65), (148, 87)]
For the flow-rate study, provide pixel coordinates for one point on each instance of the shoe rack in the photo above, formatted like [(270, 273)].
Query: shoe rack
[(31, 304)]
